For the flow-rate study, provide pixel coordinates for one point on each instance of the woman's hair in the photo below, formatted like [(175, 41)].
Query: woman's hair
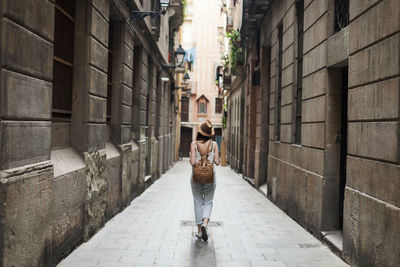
[(201, 137)]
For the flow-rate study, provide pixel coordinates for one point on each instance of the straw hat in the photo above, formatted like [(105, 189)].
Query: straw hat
[(206, 129)]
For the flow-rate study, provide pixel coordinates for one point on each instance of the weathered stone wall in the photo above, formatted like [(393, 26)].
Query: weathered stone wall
[(61, 180), (304, 179), (372, 205)]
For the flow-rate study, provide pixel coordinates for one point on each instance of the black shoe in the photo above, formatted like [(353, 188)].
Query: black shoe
[(204, 233)]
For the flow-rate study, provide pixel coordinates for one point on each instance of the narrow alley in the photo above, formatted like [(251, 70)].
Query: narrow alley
[(158, 228)]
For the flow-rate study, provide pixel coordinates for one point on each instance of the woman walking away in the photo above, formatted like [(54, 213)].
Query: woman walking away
[(204, 155)]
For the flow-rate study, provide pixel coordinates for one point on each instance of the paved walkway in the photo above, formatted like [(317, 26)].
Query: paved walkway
[(158, 229)]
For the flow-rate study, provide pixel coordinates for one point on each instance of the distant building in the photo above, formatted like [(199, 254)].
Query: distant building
[(88, 118), (313, 114), (201, 96)]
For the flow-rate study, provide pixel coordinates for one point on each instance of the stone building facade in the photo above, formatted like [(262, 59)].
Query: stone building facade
[(321, 118), (87, 118)]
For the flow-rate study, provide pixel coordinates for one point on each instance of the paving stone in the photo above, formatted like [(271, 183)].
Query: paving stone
[(253, 231)]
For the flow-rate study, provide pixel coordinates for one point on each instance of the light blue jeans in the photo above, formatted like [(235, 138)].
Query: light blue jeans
[(203, 195)]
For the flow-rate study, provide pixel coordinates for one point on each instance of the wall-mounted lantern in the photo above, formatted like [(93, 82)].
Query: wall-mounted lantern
[(139, 15)]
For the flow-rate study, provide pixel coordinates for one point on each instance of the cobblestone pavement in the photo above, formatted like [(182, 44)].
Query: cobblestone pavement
[(158, 229)]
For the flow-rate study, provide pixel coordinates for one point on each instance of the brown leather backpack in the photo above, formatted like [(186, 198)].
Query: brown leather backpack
[(203, 170)]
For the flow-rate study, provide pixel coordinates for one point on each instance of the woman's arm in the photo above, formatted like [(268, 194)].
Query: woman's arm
[(193, 153), (217, 159)]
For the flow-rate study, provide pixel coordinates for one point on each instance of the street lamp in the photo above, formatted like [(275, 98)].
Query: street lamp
[(138, 15), (179, 56), (186, 77)]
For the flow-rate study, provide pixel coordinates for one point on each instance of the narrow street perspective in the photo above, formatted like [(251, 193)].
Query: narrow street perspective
[(121, 121), (158, 228)]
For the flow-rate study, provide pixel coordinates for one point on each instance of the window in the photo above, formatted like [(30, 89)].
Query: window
[(218, 105), (202, 107), (185, 109), (109, 70), (341, 14), (63, 58), (299, 97), (279, 87)]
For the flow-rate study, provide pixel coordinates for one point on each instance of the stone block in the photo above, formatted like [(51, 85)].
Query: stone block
[(289, 18), (377, 140), (26, 52), (99, 27), (314, 11), (287, 95), (377, 23), (126, 95), (273, 84), (37, 15), (24, 143), (377, 62), (126, 114), (125, 134), (316, 34), (288, 56), (288, 37), (127, 76), (129, 38), (360, 6), (142, 117), (142, 102), (96, 192), (272, 100), (315, 84), (96, 136), (370, 221), (60, 135), (338, 48), (315, 60), (113, 180), (287, 76), (97, 82), (25, 229), (287, 114), (313, 135), (97, 109), (128, 57), (67, 202), (377, 179), (103, 6), (313, 109), (312, 160), (24, 97), (286, 133), (375, 101), (98, 55)]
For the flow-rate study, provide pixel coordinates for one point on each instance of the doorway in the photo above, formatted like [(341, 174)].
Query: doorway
[(186, 140)]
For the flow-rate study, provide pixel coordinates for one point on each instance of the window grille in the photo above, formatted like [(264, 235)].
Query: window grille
[(341, 14)]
